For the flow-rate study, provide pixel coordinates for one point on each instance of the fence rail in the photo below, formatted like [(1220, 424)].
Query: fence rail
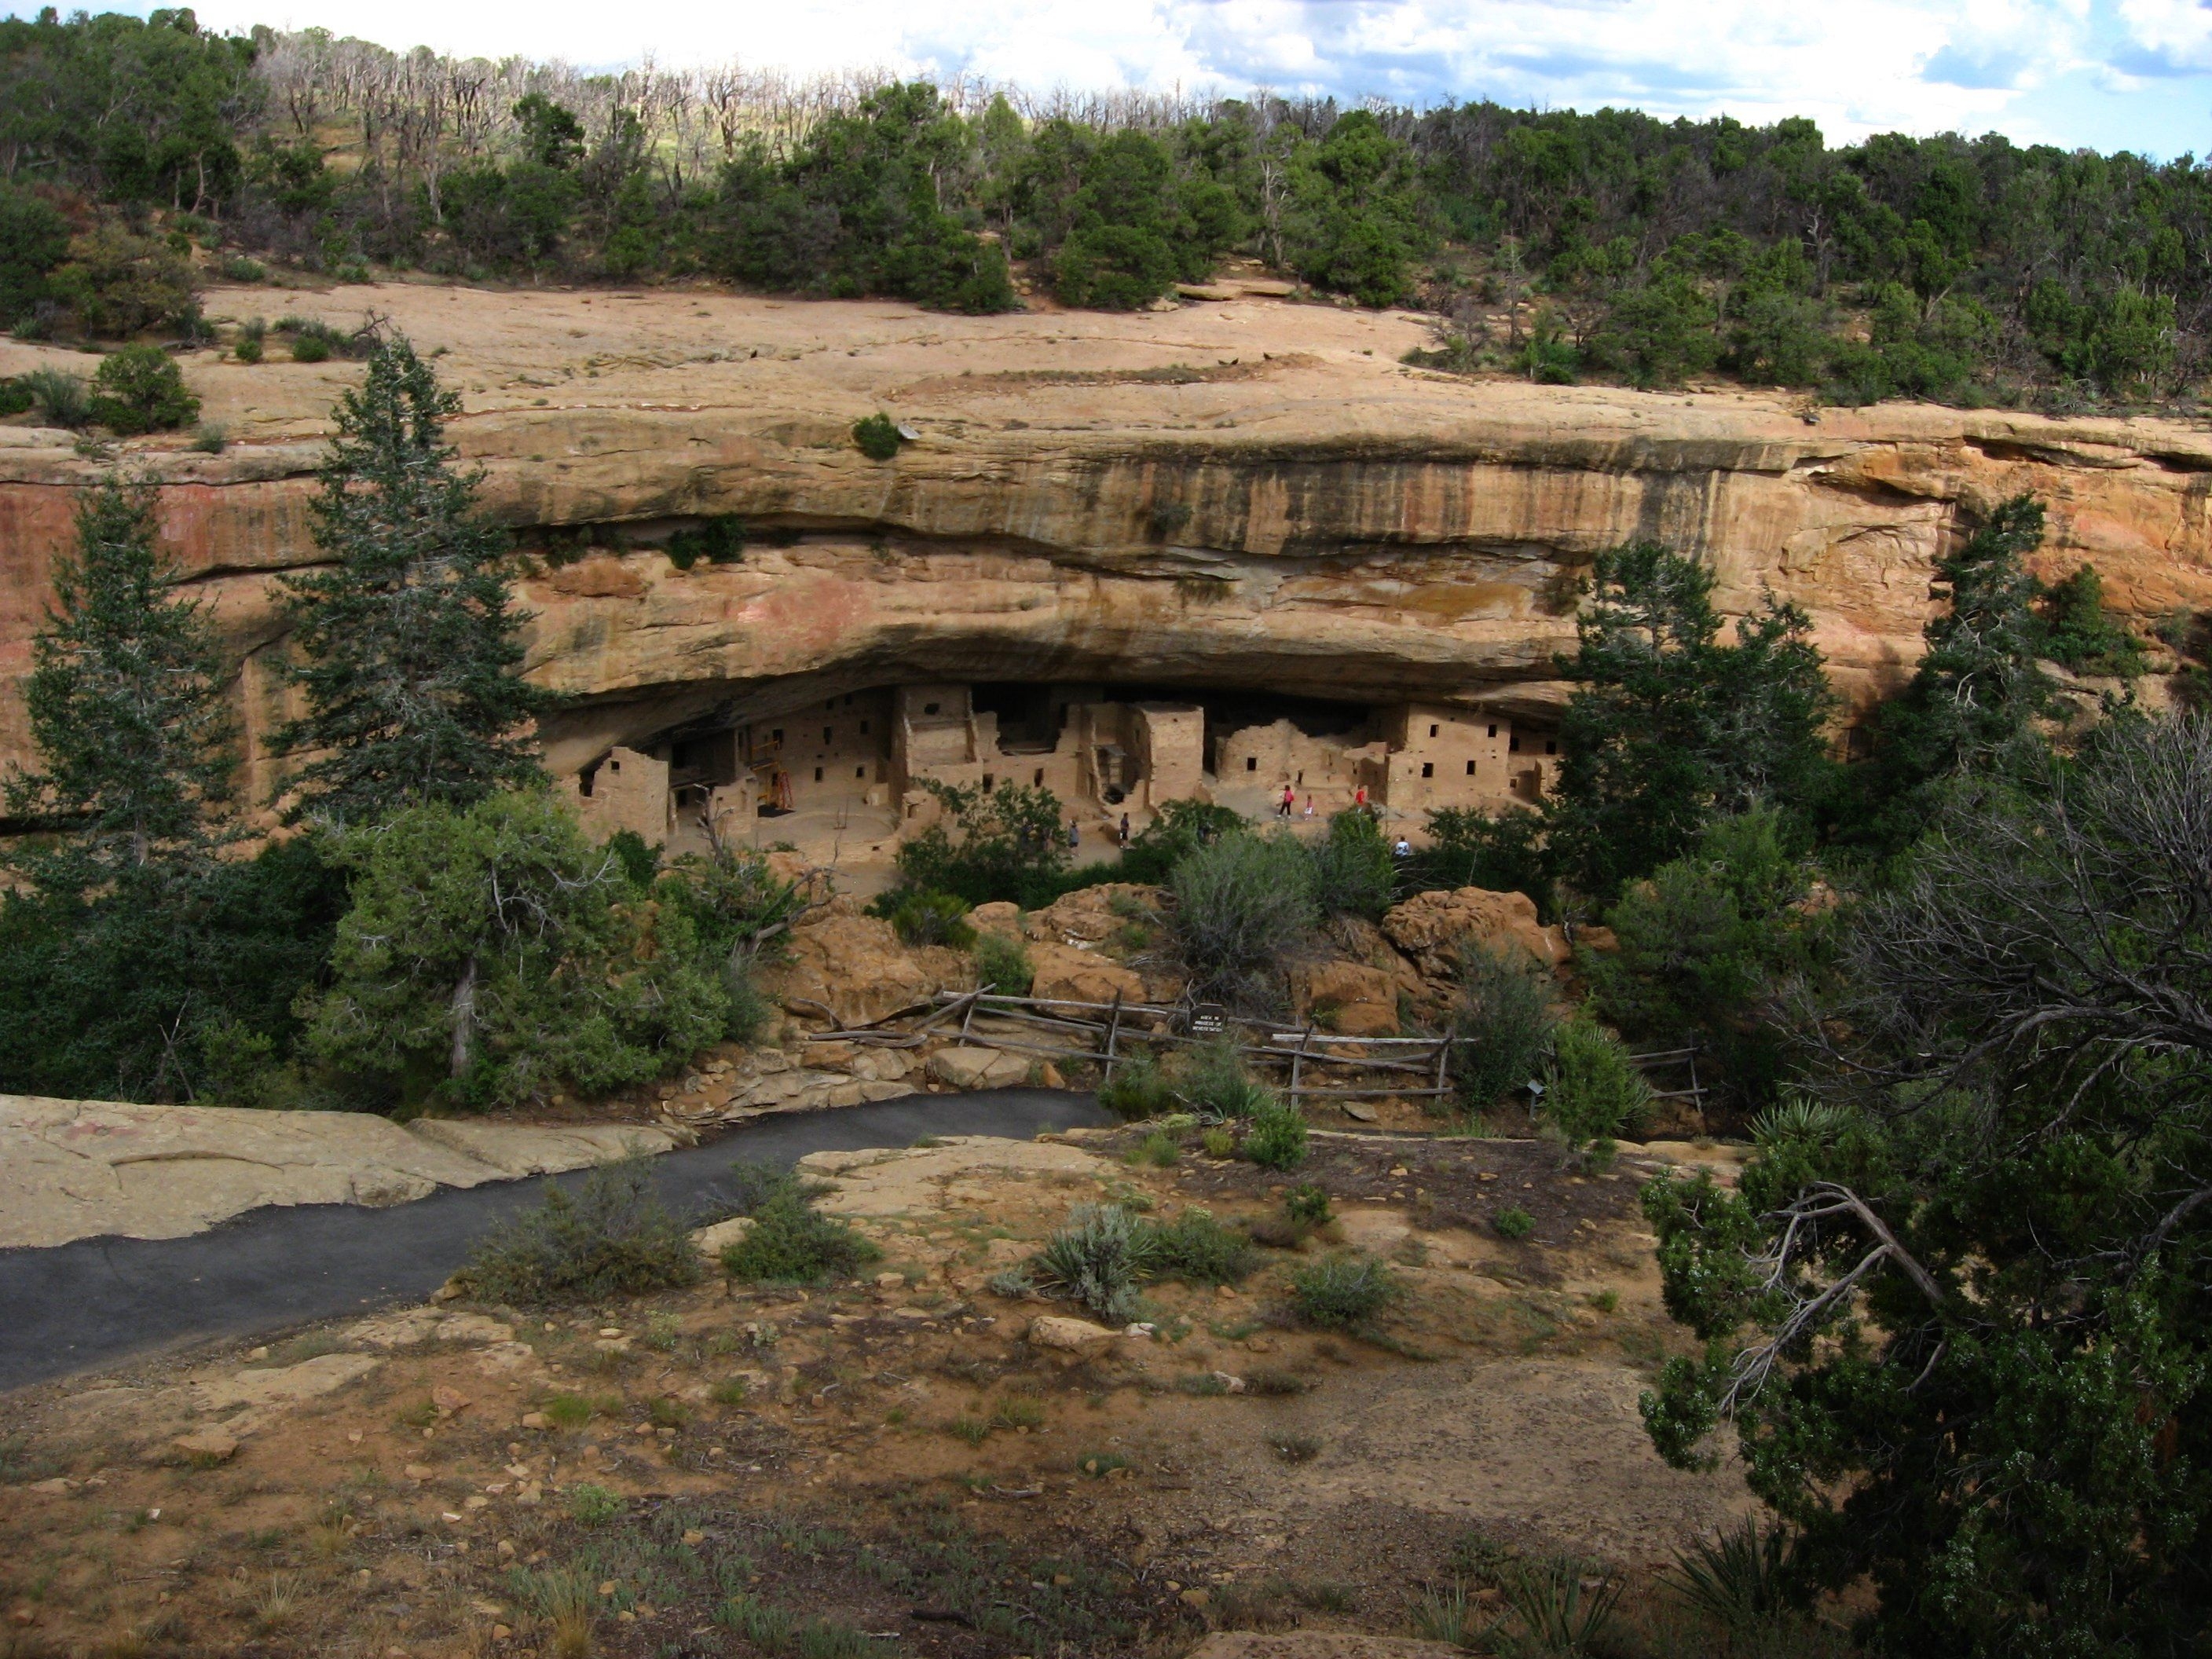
[(1020, 1024)]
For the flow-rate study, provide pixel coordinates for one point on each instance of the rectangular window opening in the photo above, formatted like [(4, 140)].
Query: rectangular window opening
[(1428, 769), (817, 774)]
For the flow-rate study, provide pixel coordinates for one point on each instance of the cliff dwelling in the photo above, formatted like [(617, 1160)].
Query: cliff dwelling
[(856, 768)]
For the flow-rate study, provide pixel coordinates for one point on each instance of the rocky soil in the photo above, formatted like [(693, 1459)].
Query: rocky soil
[(910, 1455)]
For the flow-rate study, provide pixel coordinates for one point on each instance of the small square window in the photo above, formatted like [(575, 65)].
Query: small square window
[(1251, 763), (826, 732), (1428, 769), (1470, 769), (929, 708), (777, 736), (1432, 730), (1039, 779), (1551, 746), (860, 771), (1494, 728), (817, 774)]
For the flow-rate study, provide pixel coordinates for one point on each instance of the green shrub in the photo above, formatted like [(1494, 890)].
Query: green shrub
[(1157, 1149), (139, 388), (1343, 1292), (933, 919), (1212, 1081), (1503, 1010), (613, 1238), (63, 397), (1306, 1206), (719, 540), (246, 349), (310, 349), (1512, 1222), (790, 1241), (240, 269), (877, 437), (592, 1506), (1099, 1258), (1592, 1089), (15, 398), (1137, 1089), (211, 439), (1353, 873), (1243, 905), (1197, 1250), (1276, 1139), (1002, 965), (1219, 1142)]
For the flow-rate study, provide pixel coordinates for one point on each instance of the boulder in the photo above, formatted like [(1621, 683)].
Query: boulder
[(1352, 999), (1429, 928), (969, 1068), (854, 965), (1087, 915), (1065, 973), (711, 1242), (1000, 917), (1071, 1335), (208, 1445)]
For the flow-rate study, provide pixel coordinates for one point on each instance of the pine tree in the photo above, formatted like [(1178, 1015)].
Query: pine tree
[(408, 642), (126, 709)]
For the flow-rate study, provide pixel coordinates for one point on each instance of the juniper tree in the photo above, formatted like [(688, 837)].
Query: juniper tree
[(1669, 726), (408, 642), (1958, 1305), (126, 700), (1971, 703)]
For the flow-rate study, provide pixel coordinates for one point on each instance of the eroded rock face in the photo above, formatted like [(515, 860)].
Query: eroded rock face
[(1289, 508)]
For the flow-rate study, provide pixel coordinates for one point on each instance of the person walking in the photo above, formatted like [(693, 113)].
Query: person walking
[(1125, 829), (1290, 800)]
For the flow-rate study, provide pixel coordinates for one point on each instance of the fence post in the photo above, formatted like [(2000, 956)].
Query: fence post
[(1696, 1090), (1443, 1062), (1299, 1059), (1113, 1040)]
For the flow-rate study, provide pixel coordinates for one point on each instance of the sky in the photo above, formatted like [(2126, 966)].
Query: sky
[(2103, 74)]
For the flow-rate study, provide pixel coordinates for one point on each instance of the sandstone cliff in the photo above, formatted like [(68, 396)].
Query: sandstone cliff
[(1244, 493)]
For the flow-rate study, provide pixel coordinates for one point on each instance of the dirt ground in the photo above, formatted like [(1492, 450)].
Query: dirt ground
[(704, 1472)]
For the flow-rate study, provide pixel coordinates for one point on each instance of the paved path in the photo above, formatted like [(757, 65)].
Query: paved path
[(100, 1301)]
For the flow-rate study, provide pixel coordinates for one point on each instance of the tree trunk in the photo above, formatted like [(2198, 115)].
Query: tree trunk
[(464, 1018)]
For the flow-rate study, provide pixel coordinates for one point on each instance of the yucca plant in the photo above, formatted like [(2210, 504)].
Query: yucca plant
[(1738, 1577), (1558, 1615), (1099, 1258)]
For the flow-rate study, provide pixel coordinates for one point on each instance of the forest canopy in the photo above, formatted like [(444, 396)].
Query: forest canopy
[(137, 157)]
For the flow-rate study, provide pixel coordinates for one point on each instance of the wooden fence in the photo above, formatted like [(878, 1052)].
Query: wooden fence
[(1098, 1033)]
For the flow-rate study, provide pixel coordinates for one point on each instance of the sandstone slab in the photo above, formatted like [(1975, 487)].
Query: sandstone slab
[(916, 1178), (283, 1385), (516, 1150), (82, 1169)]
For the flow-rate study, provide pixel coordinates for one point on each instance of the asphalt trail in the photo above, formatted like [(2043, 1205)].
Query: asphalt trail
[(98, 1302)]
